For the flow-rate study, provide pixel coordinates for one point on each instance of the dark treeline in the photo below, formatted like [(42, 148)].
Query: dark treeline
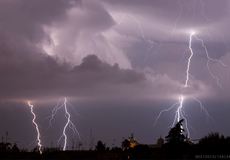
[(174, 146)]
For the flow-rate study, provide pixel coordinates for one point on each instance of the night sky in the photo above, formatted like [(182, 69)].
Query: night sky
[(118, 62)]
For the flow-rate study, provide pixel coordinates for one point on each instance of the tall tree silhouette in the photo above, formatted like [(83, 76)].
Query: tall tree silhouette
[(176, 134), (100, 146)]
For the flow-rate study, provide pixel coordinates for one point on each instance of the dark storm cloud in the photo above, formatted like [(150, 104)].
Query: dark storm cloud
[(26, 77), (31, 67), (24, 18), (30, 75)]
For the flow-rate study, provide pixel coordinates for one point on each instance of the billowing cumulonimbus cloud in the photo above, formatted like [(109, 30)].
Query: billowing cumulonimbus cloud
[(82, 34), (24, 76)]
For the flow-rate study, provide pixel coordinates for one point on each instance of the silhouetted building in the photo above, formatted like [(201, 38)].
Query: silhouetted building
[(132, 141)]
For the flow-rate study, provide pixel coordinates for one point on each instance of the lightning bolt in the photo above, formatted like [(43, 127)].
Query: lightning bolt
[(179, 111), (180, 104), (36, 127), (68, 123), (180, 114), (189, 59)]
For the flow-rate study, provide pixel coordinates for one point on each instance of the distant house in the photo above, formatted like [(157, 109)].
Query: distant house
[(129, 143), (132, 142)]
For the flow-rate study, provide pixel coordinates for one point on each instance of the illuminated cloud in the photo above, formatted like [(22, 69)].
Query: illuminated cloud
[(154, 36)]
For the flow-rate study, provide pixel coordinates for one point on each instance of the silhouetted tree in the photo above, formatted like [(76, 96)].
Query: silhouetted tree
[(100, 146), (214, 143), (125, 144), (213, 139), (177, 146), (15, 148), (36, 149), (5, 147), (176, 134)]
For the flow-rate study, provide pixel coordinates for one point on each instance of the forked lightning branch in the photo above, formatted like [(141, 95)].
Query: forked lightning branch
[(180, 112)]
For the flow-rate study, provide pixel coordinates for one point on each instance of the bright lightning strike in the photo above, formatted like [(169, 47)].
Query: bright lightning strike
[(190, 58), (180, 114), (36, 126), (181, 99), (179, 111), (68, 123)]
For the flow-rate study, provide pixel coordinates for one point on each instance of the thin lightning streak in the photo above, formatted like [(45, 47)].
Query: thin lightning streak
[(208, 19), (186, 123), (66, 125), (209, 59), (189, 59), (54, 112), (140, 28), (178, 17), (150, 42), (165, 110), (202, 107), (141, 31), (36, 126)]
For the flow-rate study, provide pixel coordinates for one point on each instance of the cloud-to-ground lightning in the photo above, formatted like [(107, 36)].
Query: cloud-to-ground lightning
[(68, 123), (180, 113), (36, 127)]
